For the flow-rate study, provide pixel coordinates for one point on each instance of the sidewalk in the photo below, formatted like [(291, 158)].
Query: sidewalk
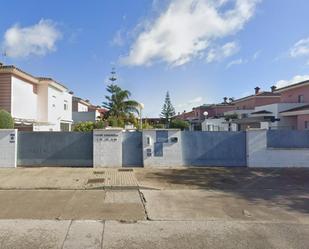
[(68, 234)]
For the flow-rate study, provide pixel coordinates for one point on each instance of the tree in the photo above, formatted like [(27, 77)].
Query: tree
[(179, 124), (119, 104), (6, 120), (168, 111)]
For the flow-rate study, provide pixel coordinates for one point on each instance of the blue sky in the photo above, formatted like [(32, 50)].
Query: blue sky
[(198, 50)]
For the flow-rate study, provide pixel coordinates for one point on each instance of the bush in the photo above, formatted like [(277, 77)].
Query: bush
[(84, 126), (159, 126), (6, 120), (179, 124), (89, 126), (115, 122)]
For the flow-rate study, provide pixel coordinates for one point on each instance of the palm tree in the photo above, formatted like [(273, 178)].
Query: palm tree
[(119, 104)]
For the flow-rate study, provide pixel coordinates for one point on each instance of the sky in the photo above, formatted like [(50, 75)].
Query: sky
[(198, 50)]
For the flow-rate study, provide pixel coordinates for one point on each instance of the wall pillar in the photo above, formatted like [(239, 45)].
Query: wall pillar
[(8, 148), (107, 148)]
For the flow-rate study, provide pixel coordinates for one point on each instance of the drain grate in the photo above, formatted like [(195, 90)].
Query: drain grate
[(98, 172), (125, 170), (96, 180)]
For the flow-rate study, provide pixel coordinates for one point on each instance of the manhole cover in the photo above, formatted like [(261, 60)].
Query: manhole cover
[(125, 169), (98, 172), (96, 180)]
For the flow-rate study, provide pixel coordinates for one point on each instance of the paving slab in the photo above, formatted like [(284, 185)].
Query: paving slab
[(32, 234), (84, 234), (203, 235), (205, 205), (40, 204), (71, 204), (67, 178)]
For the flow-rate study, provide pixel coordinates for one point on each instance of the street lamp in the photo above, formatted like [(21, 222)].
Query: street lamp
[(141, 107)]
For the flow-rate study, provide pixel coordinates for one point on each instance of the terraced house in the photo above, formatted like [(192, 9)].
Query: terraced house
[(35, 103)]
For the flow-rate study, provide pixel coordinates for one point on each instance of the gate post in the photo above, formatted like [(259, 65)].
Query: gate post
[(8, 148), (107, 148)]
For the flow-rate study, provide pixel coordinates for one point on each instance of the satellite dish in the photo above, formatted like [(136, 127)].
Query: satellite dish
[(205, 114), (142, 106)]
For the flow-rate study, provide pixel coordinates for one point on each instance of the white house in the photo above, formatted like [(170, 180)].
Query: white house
[(36, 104), (83, 110)]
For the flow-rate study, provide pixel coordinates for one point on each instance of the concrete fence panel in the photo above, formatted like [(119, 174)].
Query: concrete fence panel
[(55, 149), (287, 139), (8, 148), (260, 155), (214, 148)]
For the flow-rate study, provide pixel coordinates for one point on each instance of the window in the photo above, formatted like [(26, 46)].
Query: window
[(65, 106), (306, 125), (300, 98)]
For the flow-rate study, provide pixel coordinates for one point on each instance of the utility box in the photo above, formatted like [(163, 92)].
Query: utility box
[(107, 148), (8, 148)]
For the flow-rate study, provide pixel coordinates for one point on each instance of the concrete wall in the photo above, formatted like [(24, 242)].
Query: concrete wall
[(214, 148), (107, 148), (55, 149), (159, 151), (8, 148), (259, 155)]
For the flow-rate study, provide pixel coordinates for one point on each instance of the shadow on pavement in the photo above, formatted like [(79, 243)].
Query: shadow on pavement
[(288, 188)]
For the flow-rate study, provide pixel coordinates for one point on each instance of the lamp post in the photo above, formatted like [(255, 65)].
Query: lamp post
[(141, 107)]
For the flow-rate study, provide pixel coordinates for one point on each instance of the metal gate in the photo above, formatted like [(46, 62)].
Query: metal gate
[(132, 149)]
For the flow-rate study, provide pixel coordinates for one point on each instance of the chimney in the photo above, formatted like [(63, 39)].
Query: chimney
[(273, 89), (225, 100), (257, 90)]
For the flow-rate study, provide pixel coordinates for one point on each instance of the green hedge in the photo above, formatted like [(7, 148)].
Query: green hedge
[(6, 120)]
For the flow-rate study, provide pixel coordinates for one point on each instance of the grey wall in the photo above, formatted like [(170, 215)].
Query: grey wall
[(83, 116), (55, 149), (132, 149), (287, 139), (214, 148)]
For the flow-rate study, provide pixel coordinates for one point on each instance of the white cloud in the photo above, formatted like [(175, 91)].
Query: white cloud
[(256, 55), (294, 80), (190, 104), (220, 53), (300, 48), (235, 62), (118, 39), (38, 39), (186, 28)]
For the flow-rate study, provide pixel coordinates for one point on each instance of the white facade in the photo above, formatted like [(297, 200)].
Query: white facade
[(82, 107), (45, 104), (275, 109), (272, 110)]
